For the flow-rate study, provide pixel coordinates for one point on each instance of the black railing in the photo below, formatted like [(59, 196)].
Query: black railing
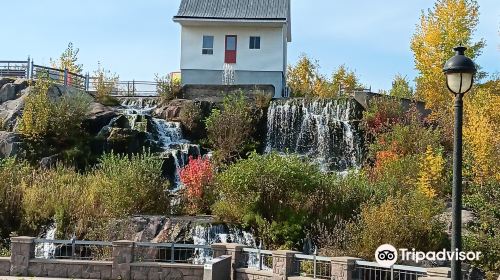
[(29, 70)]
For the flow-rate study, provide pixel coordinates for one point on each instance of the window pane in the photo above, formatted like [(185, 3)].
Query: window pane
[(254, 42), (208, 42), (231, 43)]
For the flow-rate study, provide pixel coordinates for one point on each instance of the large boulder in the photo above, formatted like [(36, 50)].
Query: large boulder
[(5, 80), (7, 92), (98, 117), (10, 144), (21, 84), (182, 110), (10, 111)]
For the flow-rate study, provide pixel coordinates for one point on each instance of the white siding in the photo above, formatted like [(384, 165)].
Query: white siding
[(271, 56)]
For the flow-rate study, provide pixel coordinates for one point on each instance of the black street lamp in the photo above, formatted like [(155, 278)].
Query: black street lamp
[(459, 71)]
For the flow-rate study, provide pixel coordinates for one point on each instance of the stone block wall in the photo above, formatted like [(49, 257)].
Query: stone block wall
[(216, 93), (70, 269)]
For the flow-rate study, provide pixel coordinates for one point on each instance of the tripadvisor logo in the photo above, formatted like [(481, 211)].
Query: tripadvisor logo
[(387, 255)]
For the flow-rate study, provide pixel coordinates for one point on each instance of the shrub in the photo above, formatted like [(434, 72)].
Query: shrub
[(12, 173), (168, 88), (191, 116), (381, 114), (119, 186), (58, 118), (405, 221), (197, 179), (267, 193), (230, 129), (262, 100), (484, 232), (105, 83)]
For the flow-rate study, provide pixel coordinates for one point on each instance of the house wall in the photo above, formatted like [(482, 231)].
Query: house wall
[(270, 58), (214, 77)]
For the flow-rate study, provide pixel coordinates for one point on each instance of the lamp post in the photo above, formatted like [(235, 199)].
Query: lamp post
[(459, 71)]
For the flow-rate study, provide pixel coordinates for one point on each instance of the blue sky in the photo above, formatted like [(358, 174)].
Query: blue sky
[(136, 39)]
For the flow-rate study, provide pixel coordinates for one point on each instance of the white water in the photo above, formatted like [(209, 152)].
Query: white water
[(167, 134), (323, 130), (228, 74), (210, 234), (47, 250)]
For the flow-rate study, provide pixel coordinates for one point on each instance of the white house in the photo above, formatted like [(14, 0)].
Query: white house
[(240, 42)]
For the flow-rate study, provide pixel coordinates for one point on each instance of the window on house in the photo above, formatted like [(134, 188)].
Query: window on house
[(208, 45), (255, 43)]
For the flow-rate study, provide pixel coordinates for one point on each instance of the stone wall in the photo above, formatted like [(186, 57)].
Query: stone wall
[(70, 269), (216, 93), (4, 265), (157, 271)]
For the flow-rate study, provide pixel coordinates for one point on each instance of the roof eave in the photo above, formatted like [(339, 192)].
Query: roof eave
[(183, 19)]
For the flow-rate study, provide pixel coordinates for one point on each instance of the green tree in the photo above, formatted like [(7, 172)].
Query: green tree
[(168, 88), (448, 24), (68, 60), (401, 87)]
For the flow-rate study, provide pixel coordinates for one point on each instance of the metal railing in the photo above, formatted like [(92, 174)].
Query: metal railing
[(63, 77), (373, 271), (256, 258), (127, 88), (15, 68), (313, 266), (73, 249), (172, 253)]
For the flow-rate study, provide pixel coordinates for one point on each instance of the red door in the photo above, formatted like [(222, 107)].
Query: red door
[(231, 46)]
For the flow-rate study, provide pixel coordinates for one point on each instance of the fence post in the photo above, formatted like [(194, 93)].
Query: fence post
[(73, 247), (28, 69), (32, 68), (22, 250), (86, 82), (283, 264), (172, 252), (259, 255), (133, 87), (232, 249), (123, 255), (65, 77), (314, 262), (343, 268)]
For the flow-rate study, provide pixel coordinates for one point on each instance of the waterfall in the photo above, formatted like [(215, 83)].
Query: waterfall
[(325, 131), (228, 74), (47, 250), (218, 233), (168, 135)]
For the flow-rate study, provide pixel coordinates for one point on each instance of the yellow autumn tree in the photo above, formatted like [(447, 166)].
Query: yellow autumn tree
[(431, 174), (304, 79), (481, 132), (68, 60), (448, 24), (344, 79)]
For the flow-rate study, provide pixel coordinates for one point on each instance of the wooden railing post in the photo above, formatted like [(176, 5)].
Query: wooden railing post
[(28, 69)]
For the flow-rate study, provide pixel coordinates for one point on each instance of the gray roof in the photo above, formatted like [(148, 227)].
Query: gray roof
[(235, 9)]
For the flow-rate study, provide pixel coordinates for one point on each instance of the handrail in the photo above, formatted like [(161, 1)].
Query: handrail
[(77, 242), (313, 257), (396, 266), (253, 250)]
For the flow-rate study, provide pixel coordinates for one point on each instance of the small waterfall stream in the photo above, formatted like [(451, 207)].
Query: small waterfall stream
[(325, 131), (47, 250), (168, 135)]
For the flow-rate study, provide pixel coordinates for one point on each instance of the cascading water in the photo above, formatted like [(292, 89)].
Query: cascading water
[(219, 233), (324, 130), (47, 250), (168, 135), (228, 74)]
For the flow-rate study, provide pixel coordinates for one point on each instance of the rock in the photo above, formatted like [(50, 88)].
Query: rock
[(21, 84), (4, 81), (7, 92), (10, 111), (173, 112), (10, 144), (49, 162), (468, 217), (98, 117)]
